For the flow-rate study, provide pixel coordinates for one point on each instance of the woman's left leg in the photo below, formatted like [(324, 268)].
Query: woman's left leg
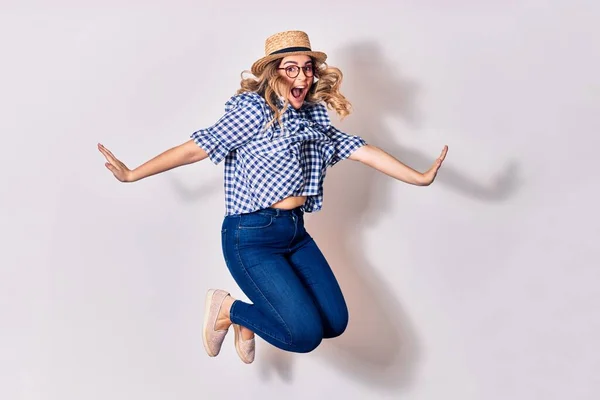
[(314, 271)]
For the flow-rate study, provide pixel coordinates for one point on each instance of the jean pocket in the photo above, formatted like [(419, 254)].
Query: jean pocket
[(255, 221)]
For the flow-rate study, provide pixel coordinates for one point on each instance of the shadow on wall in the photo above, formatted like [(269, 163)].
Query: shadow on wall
[(380, 347), (200, 192)]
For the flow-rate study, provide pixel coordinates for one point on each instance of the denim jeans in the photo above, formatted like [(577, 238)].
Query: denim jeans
[(296, 300)]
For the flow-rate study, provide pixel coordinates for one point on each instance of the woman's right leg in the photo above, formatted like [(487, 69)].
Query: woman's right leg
[(282, 311)]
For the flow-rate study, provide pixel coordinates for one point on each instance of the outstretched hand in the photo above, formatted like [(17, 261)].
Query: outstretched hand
[(119, 170), (430, 175)]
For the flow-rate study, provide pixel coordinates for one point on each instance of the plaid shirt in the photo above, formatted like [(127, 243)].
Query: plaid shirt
[(264, 166)]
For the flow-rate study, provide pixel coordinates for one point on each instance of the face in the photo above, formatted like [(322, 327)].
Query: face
[(300, 65)]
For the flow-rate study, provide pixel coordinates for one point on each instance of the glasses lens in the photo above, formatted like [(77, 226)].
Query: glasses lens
[(308, 70), (292, 71)]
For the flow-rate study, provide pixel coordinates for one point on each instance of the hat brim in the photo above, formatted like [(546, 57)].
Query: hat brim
[(259, 65)]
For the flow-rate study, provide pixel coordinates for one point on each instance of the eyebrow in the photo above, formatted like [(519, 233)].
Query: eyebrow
[(294, 62)]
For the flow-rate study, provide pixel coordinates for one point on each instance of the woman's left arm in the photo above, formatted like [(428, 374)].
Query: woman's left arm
[(380, 160)]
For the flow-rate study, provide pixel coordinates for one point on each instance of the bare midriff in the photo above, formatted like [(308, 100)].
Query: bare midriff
[(290, 202)]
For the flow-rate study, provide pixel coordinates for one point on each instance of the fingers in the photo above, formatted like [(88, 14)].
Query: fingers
[(107, 154), (432, 172), (440, 159), (112, 168), (107, 151), (443, 154), (115, 166), (116, 172), (111, 158)]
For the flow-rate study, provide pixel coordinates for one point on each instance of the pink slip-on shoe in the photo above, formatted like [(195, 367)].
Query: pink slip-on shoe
[(213, 339), (244, 348)]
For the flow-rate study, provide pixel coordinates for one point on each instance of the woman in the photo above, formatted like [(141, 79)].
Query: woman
[(276, 141)]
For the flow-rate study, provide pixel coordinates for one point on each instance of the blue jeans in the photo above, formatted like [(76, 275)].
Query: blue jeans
[(296, 300)]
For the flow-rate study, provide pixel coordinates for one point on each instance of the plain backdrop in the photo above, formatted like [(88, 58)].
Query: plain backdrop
[(481, 286)]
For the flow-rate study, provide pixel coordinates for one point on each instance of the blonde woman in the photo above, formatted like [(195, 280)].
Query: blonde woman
[(276, 142)]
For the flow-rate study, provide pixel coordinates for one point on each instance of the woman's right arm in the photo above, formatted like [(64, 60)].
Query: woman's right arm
[(186, 153)]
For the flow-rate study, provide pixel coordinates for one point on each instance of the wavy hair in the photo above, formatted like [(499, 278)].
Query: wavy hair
[(272, 86)]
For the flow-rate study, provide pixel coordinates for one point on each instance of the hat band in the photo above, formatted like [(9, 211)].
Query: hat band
[(290, 50)]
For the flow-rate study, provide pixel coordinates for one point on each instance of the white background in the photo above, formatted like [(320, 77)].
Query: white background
[(481, 286)]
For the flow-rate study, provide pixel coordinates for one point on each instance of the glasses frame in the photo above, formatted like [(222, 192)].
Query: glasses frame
[(305, 68)]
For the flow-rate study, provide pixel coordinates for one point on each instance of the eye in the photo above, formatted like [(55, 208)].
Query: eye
[(292, 69)]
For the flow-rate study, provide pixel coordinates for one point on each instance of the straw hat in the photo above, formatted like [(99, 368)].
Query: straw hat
[(285, 44)]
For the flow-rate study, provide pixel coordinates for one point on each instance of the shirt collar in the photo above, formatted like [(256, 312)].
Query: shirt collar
[(305, 106)]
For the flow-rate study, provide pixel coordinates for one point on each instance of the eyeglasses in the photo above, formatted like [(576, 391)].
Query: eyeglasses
[(293, 71)]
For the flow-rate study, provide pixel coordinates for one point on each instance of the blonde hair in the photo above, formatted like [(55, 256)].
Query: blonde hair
[(271, 85)]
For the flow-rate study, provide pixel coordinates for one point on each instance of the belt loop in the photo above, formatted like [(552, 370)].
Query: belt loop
[(277, 212)]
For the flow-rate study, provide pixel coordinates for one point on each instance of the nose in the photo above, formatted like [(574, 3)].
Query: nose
[(302, 76)]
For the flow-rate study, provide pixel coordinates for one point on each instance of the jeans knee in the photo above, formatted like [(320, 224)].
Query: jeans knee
[(308, 343), (307, 338), (336, 326)]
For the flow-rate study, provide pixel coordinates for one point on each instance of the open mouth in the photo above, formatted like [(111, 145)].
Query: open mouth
[(298, 91)]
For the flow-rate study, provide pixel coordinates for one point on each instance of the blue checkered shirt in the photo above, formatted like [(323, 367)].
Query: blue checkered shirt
[(264, 166)]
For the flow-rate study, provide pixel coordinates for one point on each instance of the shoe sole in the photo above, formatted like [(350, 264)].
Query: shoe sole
[(207, 303), (238, 336)]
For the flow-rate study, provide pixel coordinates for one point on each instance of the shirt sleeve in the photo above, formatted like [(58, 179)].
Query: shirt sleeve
[(344, 143), (236, 127)]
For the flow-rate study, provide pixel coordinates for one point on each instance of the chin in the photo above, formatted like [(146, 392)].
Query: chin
[(296, 103)]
